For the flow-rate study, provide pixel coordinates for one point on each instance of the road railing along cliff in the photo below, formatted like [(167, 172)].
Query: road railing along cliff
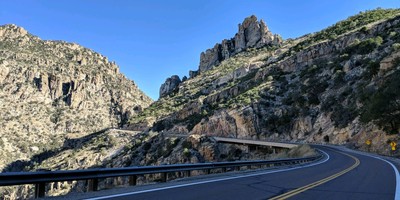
[(40, 178)]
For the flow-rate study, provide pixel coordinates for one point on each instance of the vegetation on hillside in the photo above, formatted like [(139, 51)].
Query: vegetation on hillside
[(352, 23), (317, 87), (383, 105)]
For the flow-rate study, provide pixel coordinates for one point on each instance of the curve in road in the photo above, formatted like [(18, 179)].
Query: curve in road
[(344, 176), (317, 183)]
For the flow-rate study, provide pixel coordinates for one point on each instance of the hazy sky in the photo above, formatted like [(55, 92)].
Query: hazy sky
[(152, 40)]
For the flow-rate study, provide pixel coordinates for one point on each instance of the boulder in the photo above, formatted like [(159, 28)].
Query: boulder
[(170, 85)]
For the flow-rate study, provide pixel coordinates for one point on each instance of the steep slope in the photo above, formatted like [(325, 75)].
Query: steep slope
[(330, 86), (51, 91)]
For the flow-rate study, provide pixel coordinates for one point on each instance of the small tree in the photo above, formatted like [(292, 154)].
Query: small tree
[(383, 107)]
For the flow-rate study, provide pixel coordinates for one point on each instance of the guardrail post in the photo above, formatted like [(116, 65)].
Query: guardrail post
[(93, 184), (188, 173), (224, 169), (164, 177), (40, 190), (208, 171), (248, 166), (133, 180)]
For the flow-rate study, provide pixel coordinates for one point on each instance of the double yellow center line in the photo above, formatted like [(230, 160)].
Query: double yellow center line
[(317, 183)]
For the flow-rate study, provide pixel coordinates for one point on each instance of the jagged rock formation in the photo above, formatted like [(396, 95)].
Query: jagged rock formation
[(51, 89), (170, 85), (251, 34), (338, 85)]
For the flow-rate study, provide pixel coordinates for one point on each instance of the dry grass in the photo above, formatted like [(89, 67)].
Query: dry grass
[(297, 152)]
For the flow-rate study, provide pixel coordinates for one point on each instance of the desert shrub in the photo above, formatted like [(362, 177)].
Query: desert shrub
[(351, 23), (338, 79), (364, 47), (327, 104), (146, 146), (342, 116), (186, 152), (382, 106), (371, 70), (396, 46), (187, 144), (194, 119), (162, 125), (315, 87)]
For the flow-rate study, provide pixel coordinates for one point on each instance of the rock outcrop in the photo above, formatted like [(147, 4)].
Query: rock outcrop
[(50, 89), (322, 87), (251, 34), (170, 85)]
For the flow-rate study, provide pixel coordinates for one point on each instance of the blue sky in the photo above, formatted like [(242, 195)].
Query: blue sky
[(154, 39)]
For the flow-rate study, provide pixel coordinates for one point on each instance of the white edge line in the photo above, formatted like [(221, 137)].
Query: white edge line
[(397, 192), (210, 181)]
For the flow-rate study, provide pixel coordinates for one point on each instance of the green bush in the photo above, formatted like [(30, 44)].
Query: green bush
[(186, 153), (364, 47), (187, 144), (382, 106), (342, 116), (351, 23), (328, 103), (339, 78), (371, 70), (396, 46), (315, 87)]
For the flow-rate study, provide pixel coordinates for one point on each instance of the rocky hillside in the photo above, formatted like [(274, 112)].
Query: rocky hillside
[(51, 91), (339, 85)]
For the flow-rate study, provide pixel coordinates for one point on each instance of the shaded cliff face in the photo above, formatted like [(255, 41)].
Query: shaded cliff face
[(170, 85), (50, 90), (339, 85)]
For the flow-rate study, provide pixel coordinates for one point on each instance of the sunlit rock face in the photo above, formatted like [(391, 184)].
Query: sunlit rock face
[(251, 34), (52, 89)]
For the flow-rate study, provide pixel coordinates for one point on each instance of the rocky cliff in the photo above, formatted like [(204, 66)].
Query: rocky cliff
[(251, 34), (170, 85), (338, 85), (51, 90)]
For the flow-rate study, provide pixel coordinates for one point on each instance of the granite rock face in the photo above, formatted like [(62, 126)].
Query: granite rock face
[(321, 87), (251, 34), (170, 85), (51, 89)]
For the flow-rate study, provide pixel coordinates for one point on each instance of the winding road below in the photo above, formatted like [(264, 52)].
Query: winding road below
[(342, 174)]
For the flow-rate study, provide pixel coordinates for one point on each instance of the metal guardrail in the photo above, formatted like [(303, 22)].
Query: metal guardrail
[(40, 178)]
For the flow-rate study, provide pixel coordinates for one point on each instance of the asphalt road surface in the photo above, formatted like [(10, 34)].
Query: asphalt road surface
[(341, 175)]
